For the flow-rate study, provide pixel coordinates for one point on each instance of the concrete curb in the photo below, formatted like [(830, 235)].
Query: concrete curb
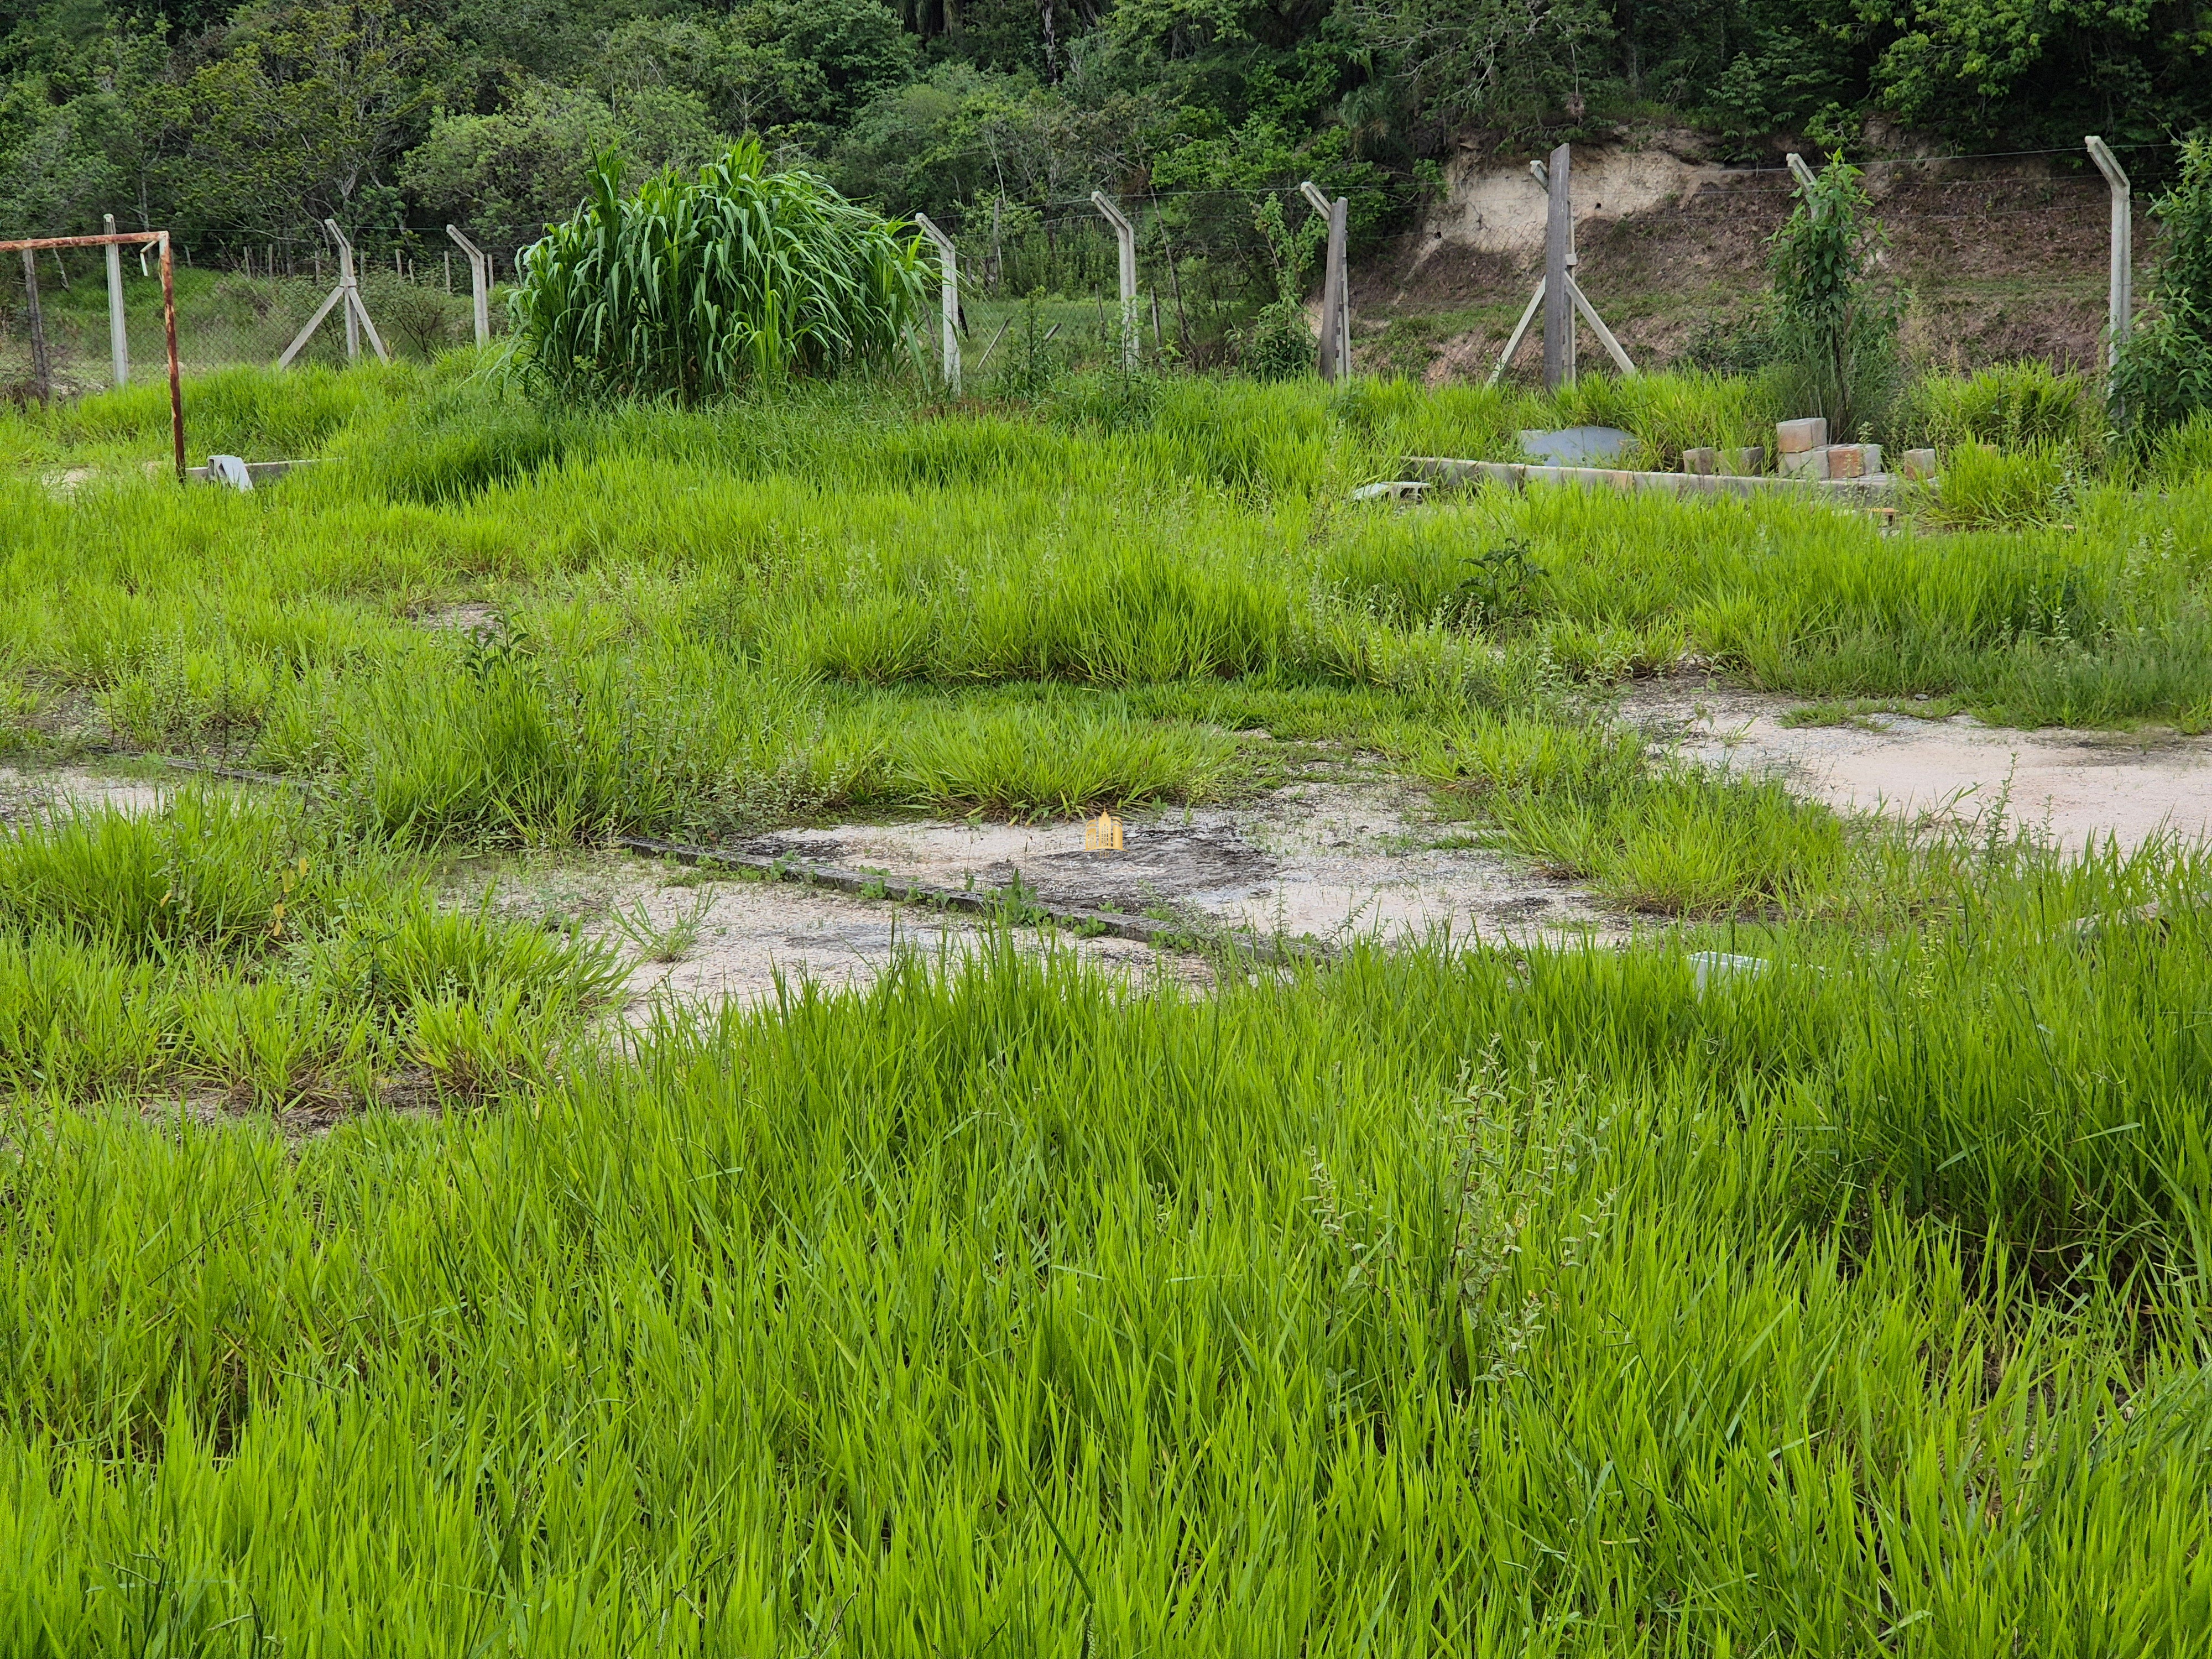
[(1879, 490)]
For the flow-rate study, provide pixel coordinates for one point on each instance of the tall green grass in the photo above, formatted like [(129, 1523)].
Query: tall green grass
[(695, 286), (755, 610), (1422, 1305)]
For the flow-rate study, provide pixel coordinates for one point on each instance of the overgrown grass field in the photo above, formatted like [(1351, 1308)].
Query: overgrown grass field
[(1436, 1302)]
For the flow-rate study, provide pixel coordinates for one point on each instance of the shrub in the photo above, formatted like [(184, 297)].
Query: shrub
[(1279, 346), (1835, 334), (693, 288), (2164, 374)]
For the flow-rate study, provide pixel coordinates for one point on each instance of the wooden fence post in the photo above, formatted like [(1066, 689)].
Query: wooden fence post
[(118, 339), (1558, 239)]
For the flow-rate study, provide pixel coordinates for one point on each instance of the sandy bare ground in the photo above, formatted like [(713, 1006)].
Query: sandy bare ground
[(2069, 787), (1329, 863), (26, 791)]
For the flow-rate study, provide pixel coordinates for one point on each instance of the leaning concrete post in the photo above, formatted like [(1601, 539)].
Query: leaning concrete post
[(2123, 241), (480, 281), (1336, 359), (1558, 242), (1339, 216), (119, 342), (1124, 234), (948, 264)]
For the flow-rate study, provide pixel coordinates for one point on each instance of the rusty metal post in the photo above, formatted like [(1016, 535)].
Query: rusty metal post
[(169, 328)]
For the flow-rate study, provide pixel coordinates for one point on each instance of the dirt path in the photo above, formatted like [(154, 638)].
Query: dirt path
[(1330, 862), (2067, 786), (25, 790)]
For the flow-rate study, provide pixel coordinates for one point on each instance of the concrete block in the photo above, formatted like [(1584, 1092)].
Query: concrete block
[(1918, 464), (1847, 460), (1796, 437), (1744, 463), (1805, 463), (1704, 462), (1870, 455)]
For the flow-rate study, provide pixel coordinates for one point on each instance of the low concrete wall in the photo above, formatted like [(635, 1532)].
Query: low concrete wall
[(1445, 470)]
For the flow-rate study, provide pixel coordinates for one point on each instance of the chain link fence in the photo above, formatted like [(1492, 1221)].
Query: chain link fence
[(239, 305)]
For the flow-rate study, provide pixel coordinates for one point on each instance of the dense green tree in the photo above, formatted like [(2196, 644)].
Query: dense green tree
[(300, 111), (511, 172)]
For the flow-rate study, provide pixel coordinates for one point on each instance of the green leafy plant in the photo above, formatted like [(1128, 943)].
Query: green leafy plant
[(1503, 584), (1033, 364), (693, 288), (1835, 332), (2164, 374), (1279, 346)]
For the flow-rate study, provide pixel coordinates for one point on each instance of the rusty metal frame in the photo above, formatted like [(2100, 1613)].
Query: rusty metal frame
[(135, 238)]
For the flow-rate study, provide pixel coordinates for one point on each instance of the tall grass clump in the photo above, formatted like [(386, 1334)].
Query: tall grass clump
[(2021, 406), (696, 287)]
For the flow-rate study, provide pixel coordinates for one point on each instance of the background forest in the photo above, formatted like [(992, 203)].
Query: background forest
[(235, 123)]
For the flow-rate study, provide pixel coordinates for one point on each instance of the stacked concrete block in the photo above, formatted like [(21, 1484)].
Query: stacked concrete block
[(1854, 460), (1918, 464), (1704, 462), (1797, 437), (1801, 448), (1747, 463)]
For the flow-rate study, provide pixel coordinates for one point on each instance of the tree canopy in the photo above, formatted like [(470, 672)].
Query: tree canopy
[(230, 120)]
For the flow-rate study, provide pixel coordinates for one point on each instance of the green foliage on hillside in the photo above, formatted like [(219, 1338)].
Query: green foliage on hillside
[(228, 122)]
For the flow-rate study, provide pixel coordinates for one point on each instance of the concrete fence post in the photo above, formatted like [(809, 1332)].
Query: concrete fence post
[(1335, 354), (480, 281), (948, 292), (1125, 234), (1558, 245), (2122, 303), (118, 340)]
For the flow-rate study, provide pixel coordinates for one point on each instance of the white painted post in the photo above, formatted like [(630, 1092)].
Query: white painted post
[(480, 281), (119, 342), (948, 295), (1124, 234), (1558, 239), (2124, 245)]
